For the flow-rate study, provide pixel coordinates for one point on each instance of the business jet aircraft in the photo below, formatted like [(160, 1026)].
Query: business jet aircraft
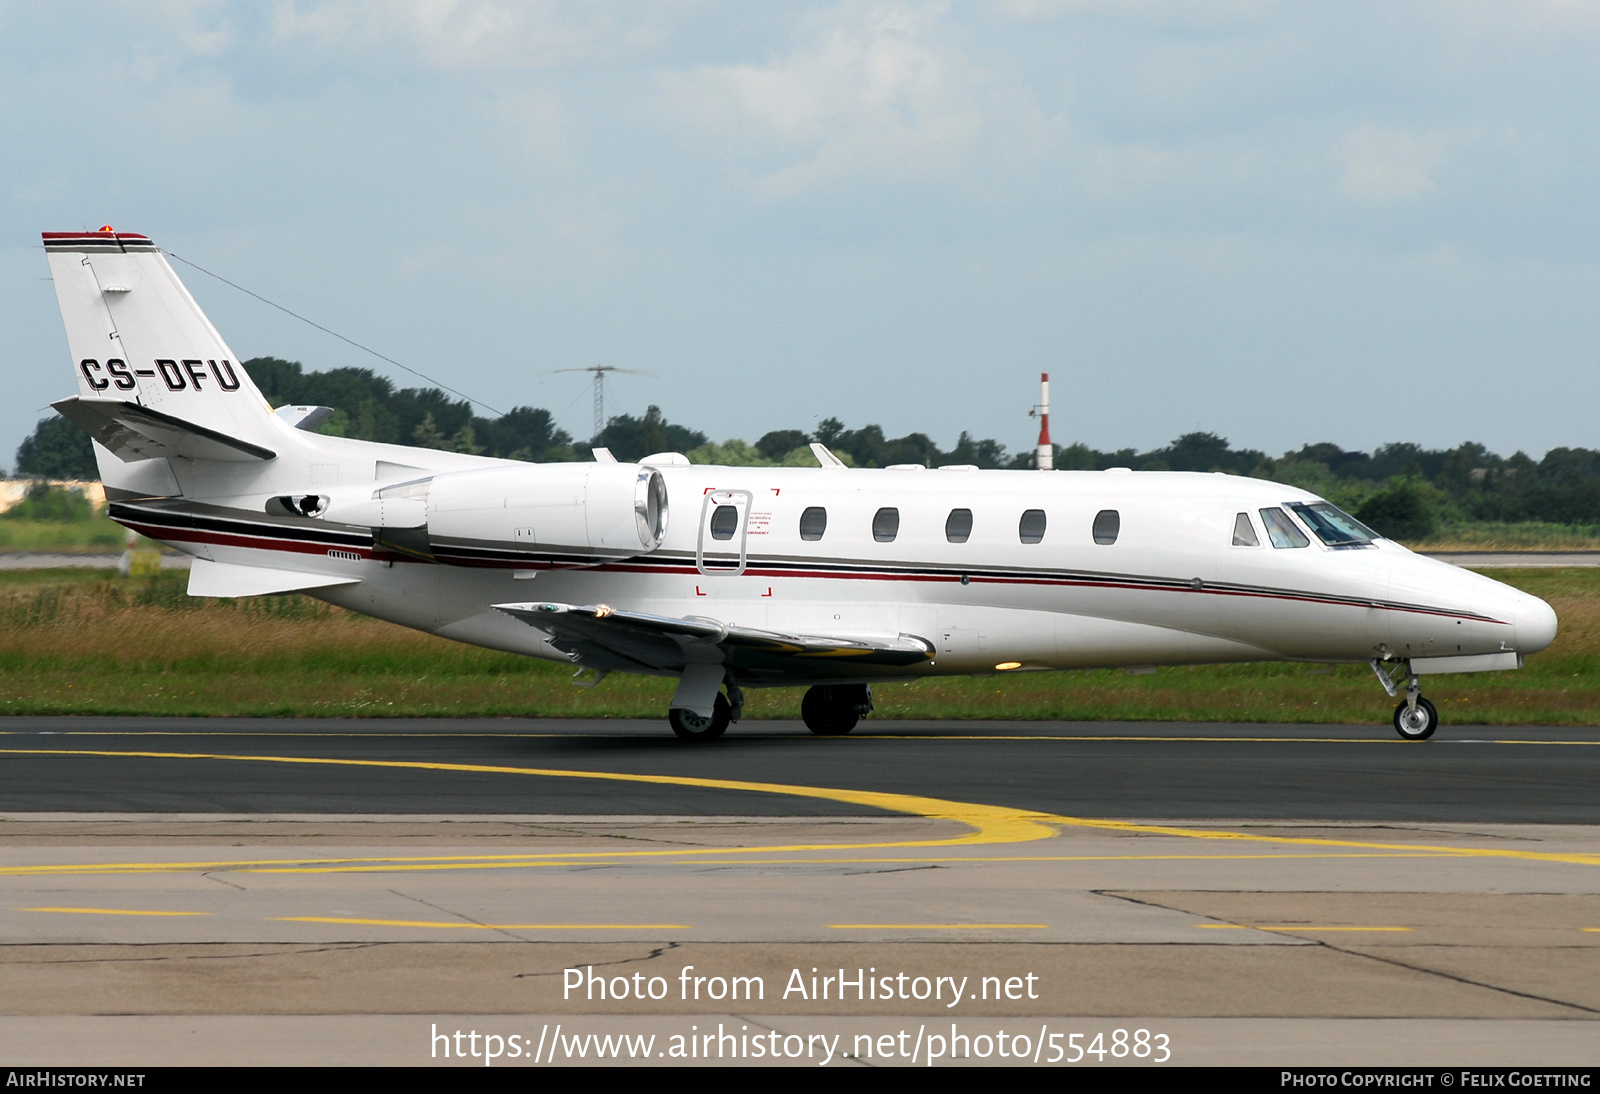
[(830, 578)]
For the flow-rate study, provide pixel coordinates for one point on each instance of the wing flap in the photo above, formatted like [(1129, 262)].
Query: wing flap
[(133, 432), (609, 638)]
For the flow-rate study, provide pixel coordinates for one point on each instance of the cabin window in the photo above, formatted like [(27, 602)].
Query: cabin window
[(813, 522), (1281, 530), (1107, 525), (886, 525), (958, 525), (1333, 525), (1244, 533), (724, 522), (1030, 529)]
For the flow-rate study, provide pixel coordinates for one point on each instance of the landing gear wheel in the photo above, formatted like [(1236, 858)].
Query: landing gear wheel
[(1418, 724), (690, 726), (827, 714)]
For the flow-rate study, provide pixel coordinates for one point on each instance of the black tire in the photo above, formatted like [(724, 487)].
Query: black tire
[(689, 726), (826, 717), (1418, 726)]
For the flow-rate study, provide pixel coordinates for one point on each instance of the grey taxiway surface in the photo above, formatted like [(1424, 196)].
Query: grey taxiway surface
[(232, 890), (1160, 769)]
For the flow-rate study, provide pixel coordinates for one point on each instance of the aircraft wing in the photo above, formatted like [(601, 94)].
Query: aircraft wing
[(606, 638), (133, 432)]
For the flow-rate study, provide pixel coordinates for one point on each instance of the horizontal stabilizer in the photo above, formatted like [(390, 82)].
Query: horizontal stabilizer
[(606, 638), (307, 418), (208, 578), (133, 432)]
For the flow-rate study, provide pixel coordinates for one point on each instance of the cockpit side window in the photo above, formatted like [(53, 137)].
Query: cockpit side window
[(1333, 525), (1244, 533), (1281, 530)]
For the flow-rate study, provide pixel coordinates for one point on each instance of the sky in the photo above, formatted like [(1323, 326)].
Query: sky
[(1283, 223)]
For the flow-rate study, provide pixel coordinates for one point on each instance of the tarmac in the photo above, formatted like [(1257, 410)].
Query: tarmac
[(1455, 922)]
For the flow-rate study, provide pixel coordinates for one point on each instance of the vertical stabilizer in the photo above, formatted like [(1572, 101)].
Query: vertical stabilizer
[(136, 335)]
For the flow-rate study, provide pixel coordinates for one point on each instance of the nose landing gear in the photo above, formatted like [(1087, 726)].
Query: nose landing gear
[(1415, 719), (1416, 723)]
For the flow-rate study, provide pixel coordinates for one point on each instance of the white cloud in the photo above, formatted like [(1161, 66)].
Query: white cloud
[(1387, 164), (200, 28), (874, 94), (1115, 169), (1184, 12), (535, 122), (1559, 15), (210, 42), (466, 34)]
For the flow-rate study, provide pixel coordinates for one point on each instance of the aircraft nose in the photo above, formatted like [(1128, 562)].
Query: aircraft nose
[(1535, 623)]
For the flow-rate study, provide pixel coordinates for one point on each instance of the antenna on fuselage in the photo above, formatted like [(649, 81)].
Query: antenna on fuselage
[(1044, 458)]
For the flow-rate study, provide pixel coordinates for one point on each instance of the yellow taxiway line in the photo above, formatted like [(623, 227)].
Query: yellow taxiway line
[(939, 926), (990, 824), (482, 926), (107, 911), (1308, 930)]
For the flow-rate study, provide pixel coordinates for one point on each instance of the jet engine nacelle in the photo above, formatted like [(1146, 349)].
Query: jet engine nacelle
[(609, 509)]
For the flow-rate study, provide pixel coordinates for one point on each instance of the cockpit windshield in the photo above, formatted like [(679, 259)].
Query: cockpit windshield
[(1332, 525)]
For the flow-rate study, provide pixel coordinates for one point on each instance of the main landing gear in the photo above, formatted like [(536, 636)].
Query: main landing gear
[(832, 710), (829, 710), (690, 726), (1415, 718)]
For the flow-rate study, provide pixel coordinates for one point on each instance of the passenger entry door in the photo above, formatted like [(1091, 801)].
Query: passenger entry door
[(724, 528)]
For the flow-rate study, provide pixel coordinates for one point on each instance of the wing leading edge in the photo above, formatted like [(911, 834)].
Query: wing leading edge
[(606, 638)]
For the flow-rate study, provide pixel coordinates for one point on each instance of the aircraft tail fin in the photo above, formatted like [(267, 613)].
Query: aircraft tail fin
[(153, 373)]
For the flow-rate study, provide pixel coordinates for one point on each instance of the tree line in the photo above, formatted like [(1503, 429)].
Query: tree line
[(1402, 489)]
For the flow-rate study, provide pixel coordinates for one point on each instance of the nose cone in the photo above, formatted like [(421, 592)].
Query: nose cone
[(1536, 624)]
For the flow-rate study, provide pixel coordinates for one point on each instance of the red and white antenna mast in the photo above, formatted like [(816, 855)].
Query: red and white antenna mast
[(1045, 460)]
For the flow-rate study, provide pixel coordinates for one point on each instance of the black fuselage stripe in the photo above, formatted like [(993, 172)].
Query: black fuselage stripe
[(161, 518), (683, 564)]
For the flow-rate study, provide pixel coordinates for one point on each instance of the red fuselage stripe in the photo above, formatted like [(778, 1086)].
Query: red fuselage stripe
[(269, 543)]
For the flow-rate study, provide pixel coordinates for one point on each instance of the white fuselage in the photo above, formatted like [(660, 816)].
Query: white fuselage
[(1171, 589)]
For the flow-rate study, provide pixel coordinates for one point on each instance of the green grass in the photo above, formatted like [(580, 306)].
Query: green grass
[(1524, 536), (98, 535), (86, 642)]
